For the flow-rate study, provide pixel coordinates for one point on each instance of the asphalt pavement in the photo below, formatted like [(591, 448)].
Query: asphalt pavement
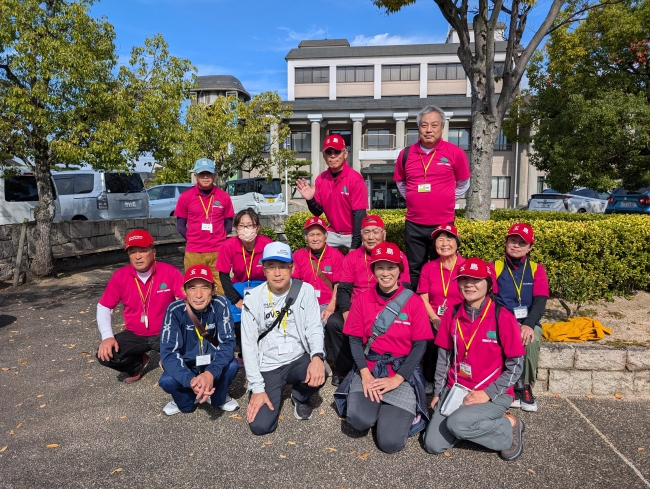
[(105, 433)]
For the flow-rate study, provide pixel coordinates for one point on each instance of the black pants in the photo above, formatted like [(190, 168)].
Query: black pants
[(294, 373), (419, 248), (339, 344), (393, 423), (429, 361), (132, 347)]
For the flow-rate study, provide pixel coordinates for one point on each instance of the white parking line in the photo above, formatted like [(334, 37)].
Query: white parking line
[(630, 464)]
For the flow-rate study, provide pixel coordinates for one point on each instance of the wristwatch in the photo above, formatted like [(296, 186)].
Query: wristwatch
[(319, 355)]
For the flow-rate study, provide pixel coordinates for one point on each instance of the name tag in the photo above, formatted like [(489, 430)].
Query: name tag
[(424, 187), (317, 293), (206, 226), (441, 310), (465, 369), (520, 312), (203, 360), (285, 348)]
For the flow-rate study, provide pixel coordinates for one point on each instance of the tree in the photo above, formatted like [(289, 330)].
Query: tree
[(61, 101), (591, 95), (234, 135), (488, 107)]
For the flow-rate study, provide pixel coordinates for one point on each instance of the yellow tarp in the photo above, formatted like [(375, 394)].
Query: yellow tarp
[(575, 329)]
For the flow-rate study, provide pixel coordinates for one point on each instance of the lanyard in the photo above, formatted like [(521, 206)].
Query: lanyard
[(315, 272), (445, 288), (467, 345), (200, 339), (426, 168), (521, 282), (365, 259), (207, 209), (248, 269), (144, 298), (284, 319)]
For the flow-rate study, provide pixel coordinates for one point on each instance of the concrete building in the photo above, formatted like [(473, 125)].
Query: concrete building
[(370, 95), (210, 87)]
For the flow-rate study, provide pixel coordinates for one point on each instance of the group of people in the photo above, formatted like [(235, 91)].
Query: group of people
[(394, 327)]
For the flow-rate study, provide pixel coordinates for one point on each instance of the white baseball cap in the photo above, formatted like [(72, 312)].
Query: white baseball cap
[(277, 251)]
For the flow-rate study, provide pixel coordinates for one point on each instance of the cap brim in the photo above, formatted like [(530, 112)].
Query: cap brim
[(522, 236), (278, 258), (199, 278)]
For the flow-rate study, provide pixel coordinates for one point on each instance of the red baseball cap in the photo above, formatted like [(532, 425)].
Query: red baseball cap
[(371, 220), (523, 230), (386, 252), (474, 268), (334, 141), (198, 271), (138, 237), (315, 221), (445, 228)]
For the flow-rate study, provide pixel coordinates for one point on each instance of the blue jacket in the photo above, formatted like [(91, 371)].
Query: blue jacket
[(179, 343)]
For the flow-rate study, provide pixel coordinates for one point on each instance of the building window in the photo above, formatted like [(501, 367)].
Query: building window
[(460, 137), (313, 75), (446, 71), (400, 73), (500, 187), (351, 74), (301, 142), (267, 143), (502, 143), (497, 68), (379, 140), (541, 184), (412, 136)]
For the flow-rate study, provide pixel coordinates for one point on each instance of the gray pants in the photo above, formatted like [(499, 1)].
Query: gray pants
[(483, 424), (336, 240)]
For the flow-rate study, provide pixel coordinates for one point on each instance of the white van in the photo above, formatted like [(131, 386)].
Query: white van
[(19, 196), (264, 197)]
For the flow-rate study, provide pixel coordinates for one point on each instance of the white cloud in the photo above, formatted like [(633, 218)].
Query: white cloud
[(312, 33), (388, 40)]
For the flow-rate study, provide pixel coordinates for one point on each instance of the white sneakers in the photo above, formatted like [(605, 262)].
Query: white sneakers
[(230, 405), (171, 408)]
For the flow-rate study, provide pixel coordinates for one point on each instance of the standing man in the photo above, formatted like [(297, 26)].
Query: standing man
[(145, 287), (197, 347), (282, 342), (204, 218), (340, 192), (431, 174)]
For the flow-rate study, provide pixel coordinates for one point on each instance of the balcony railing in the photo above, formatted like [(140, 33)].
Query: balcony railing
[(378, 142)]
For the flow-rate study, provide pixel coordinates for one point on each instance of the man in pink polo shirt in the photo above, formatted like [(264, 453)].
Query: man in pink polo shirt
[(145, 287), (340, 192), (431, 174), (204, 218)]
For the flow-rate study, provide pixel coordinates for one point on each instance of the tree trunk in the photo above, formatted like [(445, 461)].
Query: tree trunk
[(43, 263), (485, 129)]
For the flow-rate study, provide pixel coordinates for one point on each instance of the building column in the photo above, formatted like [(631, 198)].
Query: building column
[(445, 131), (315, 120), (400, 129), (332, 93), (377, 85), (357, 129), (424, 78), (275, 147)]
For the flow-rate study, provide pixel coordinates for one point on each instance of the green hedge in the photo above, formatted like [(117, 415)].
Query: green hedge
[(587, 256)]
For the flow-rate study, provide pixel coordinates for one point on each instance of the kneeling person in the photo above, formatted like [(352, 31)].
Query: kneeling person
[(282, 342), (197, 346)]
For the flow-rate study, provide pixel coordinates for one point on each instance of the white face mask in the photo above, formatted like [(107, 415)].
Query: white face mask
[(247, 235)]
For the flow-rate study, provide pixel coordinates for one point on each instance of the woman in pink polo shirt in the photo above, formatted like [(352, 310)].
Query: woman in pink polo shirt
[(480, 357), (386, 387), (436, 288)]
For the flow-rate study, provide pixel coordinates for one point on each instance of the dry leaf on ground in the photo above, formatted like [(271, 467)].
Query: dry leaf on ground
[(352, 452), (291, 442), (20, 425), (322, 411), (11, 432), (556, 395), (447, 454), (40, 395), (589, 396), (618, 396), (4, 369), (42, 406), (91, 361), (364, 456), (641, 449), (330, 449), (52, 445), (24, 363), (531, 471), (191, 454), (3, 448), (122, 417), (283, 456), (117, 470), (268, 443), (281, 418), (235, 416)]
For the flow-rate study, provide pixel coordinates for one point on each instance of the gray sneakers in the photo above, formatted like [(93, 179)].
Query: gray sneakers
[(300, 410), (517, 447)]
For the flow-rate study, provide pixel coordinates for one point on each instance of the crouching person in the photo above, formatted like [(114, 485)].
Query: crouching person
[(480, 358), (282, 342), (197, 347), (388, 328)]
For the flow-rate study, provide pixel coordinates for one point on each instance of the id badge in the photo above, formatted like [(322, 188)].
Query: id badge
[(520, 312), (317, 294), (203, 360), (284, 348), (424, 187), (465, 369), (441, 310), (206, 226)]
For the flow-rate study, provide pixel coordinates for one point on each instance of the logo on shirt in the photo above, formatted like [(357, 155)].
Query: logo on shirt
[(403, 316), (163, 285), (216, 204), (492, 335), (328, 268), (345, 190), (444, 160)]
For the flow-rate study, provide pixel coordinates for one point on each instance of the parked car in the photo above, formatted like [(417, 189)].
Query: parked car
[(163, 198), (19, 196), (89, 195), (264, 197), (629, 202), (580, 199)]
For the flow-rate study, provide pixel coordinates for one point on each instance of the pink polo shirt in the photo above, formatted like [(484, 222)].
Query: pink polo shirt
[(431, 282), (340, 196), (231, 259), (356, 269), (412, 324), (485, 354), (192, 205), (447, 164), (330, 263), (166, 285)]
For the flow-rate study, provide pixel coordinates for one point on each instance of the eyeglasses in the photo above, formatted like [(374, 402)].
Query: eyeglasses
[(204, 174), (282, 267), (330, 152), (316, 235), (249, 227), (374, 232)]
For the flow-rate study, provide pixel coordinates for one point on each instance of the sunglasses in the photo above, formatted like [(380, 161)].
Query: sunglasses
[(330, 152)]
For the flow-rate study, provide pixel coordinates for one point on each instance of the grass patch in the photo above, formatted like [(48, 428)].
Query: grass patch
[(625, 343), (587, 312), (616, 314)]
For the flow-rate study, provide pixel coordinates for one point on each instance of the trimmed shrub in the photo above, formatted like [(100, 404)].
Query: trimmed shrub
[(587, 256), (269, 232)]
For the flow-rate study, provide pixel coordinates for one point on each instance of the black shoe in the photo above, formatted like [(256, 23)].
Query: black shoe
[(131, 378), (517, 447), (516, 403), (528, 402), (300, 410), (336, 380)]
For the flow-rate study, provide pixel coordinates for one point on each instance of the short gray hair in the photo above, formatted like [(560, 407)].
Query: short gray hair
[(431, 108)]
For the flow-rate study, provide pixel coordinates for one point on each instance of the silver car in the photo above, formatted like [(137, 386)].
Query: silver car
[(88, 195), (580, 199), (163, 198)]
